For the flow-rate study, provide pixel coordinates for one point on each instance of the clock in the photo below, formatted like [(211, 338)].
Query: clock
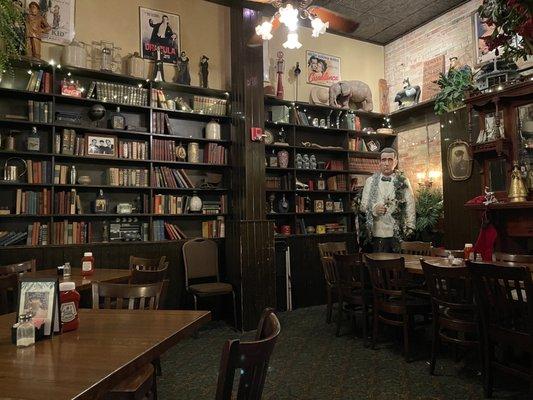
[(269, 137)]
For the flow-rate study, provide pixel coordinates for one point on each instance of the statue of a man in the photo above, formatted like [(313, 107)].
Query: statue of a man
[(204, 70), (184, 76), (36, 25)]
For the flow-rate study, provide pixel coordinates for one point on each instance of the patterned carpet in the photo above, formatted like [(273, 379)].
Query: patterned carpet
[(311, 363)]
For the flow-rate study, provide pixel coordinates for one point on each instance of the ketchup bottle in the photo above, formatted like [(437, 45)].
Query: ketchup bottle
[(87, 264), (69, 299)]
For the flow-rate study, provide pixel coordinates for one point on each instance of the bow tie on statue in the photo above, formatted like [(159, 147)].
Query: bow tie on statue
[(386, 178)]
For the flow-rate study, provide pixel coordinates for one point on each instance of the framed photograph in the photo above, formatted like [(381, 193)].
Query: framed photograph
[(40, 297), (100, 206), (491, 131), (159, 28), (99, 145), (59, 15), (322, 69), (319, 206), (459, 160), (482, 54)]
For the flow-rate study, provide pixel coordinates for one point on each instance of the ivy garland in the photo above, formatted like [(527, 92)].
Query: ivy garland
[(400, 229), (12, 41)]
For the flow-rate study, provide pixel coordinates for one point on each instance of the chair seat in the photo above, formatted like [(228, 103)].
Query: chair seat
[(136, 386), (212, 288)]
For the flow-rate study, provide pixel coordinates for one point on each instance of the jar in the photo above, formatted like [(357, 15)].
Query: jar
[(25, 331), (87, 264), (135, 66), (69, 300), (193, 152), (75, 55), (212, 130), (283, 158)]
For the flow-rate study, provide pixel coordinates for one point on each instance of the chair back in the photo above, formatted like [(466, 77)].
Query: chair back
[(120, 296), (147, 264), (141, 277), (200, 257), (328, 266), (349, 271), (8, 293), (388, 277), (503, 294), (416, 248), (329, 249), (19, 268), (252, 358), (516, 258)]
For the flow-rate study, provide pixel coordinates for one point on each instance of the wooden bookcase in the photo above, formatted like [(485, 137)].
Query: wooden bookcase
[(210, 181)]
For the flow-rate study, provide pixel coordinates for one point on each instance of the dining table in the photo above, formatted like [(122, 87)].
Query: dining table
[(116, 275), (108, 346)]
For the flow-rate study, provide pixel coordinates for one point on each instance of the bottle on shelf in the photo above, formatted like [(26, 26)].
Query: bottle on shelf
[(69, 300), (73, 175), (34, 141), (87, 264), (118, 121)]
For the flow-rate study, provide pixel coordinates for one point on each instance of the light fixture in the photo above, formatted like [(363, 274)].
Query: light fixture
[(289, 15)]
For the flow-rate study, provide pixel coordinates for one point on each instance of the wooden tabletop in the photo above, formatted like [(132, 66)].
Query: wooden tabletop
[(86, 363), (413, 266), (83, 283)]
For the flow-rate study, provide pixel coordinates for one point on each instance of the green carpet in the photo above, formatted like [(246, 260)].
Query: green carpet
[(311, 363)]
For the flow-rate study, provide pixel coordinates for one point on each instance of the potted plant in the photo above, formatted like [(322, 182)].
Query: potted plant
[(429, 212), (12, 41), (453, 87)]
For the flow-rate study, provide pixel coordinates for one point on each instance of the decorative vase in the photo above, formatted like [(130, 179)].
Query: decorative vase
[(283, 158)]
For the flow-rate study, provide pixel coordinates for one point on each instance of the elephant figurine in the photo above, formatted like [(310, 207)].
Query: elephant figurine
[(408, 96), (346, 93)]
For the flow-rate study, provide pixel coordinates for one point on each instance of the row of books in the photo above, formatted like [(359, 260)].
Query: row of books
[(364, 164), (30, 202), (215, 154), (40, 81), (66, 232), (11, 237), (333, 227), (301, 118), (214, 229), (127, 177), (133, 149), (161, 123), (335, 165), (38, 172), (40, 111), (209, 105), (68, 143), (61, 175), (278, 182), (171, 178), (353, 122), (118, 93), (162, 230), (336, 183), (37, 234), (163, 150), (68, 203), (158, 99), (357, 144), (171, 204)]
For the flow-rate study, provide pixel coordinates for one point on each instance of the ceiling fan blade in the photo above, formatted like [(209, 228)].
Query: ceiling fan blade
[(337, 22)]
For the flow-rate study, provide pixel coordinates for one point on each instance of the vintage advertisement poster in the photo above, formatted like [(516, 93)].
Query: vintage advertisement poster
[(159, 28), (322, 69), (59, 15)]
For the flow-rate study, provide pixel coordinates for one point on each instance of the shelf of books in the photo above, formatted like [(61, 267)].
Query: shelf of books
[(317, 159), (96, 157)]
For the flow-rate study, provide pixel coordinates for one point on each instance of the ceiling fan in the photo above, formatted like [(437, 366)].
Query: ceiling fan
[(290, 12)]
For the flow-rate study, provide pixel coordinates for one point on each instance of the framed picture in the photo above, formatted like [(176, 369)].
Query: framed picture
[(319, 206), (59, 15), (40, 297), (322, 69), (99, 145), (159, 28), (460, 160), (491, 131), (482, 54)]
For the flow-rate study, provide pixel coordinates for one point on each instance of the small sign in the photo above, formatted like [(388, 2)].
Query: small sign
[(432, 69)]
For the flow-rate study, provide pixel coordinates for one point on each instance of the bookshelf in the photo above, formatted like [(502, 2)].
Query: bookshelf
[(329, 158), (121, 134)]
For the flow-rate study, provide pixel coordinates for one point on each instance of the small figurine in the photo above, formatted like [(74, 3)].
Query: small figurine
[(280, 67), (297, 71), (408, 96), (204, 70), (36, 25), (159, 75), (489, 197), (184, 77)]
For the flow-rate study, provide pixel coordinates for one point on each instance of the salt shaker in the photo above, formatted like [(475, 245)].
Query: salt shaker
[(66, 270), (25, 331)]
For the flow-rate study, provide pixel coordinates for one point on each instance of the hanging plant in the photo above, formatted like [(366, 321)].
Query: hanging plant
[(12, 41), (454, 86), (509, 18)]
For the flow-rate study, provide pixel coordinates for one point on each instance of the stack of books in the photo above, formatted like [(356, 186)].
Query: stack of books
[(35, 203), (40, 111)]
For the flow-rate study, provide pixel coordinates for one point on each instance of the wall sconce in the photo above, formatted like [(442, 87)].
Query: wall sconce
[(427, 179)]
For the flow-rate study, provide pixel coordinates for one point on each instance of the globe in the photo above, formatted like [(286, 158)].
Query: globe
[(97, 112)]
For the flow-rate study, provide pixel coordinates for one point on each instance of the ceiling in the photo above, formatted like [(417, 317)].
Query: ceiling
[(382, 21)]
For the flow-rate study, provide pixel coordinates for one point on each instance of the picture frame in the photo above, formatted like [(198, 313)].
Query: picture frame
[(41, 297), (152, 35), (319, 206), (59, 15), (100, 145), (459, 159), (322, 69)]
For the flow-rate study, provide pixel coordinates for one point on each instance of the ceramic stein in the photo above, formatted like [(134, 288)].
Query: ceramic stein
[(283, 158), (212, 130)]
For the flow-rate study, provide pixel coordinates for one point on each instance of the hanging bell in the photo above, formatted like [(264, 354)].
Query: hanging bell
[(517, 189)]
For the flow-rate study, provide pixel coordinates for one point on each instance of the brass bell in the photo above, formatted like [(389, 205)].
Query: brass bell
[(517, 189)]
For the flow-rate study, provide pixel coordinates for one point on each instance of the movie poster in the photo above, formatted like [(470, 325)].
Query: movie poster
[(60, 16), (322, 69), (161, 29)]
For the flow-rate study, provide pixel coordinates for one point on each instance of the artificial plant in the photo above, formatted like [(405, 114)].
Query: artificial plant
[(454, 86), (509, 18), (12, 42), (429, 211)]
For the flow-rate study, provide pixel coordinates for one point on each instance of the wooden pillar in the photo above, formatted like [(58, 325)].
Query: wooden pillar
[(250, 237)]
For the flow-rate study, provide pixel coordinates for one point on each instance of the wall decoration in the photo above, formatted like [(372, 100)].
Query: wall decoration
[(384, 96), (59, 14), (351, 94), (482, 53), (39, 296), (159, 28), (459, 160), (433, 68), (322, 69), (36, 27), (99, 145)]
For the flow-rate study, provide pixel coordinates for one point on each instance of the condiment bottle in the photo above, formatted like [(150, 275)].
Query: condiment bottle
[(468, 251), (69, 298), (25, 331), (87, 264)]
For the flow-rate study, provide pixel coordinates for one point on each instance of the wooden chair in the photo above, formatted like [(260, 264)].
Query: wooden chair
[(19, 268), (330, 249), (132, 297), (200, 257), (8, 293), (352, 289), (505, 299), (141, 277), (148, 264), (252, 358), (392, 305), (416, 248), (515, 258), (455, 317)]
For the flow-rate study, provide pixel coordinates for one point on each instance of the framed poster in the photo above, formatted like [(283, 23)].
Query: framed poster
[(482, 54), (159, 28), (60, 16), (322, 69), (40, 297)]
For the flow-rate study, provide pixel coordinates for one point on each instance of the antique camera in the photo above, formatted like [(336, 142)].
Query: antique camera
[(126, 229), (124, 208)]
